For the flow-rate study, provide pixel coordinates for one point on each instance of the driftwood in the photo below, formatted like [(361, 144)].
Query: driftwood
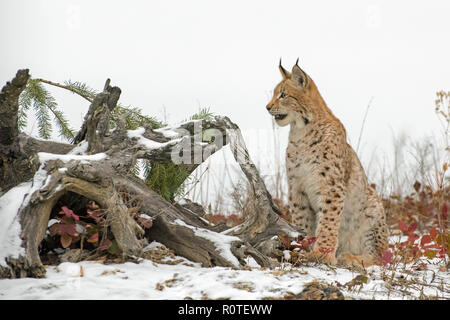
[(102, 174)]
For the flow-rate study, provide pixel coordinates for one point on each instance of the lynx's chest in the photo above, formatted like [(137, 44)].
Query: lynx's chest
[(302, 155)]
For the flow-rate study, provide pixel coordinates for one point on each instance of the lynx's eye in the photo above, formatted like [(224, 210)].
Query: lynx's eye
[(282, 95)]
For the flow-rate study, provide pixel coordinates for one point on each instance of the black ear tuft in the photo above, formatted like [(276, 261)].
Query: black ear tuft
[(283, 71)]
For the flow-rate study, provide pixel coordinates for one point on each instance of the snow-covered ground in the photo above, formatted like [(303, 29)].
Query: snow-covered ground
[(149, 280)]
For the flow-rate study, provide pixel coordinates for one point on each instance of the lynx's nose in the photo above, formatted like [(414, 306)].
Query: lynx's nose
[(268, 107)]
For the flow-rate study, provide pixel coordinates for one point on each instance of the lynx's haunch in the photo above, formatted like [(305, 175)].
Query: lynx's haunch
[(329, 195)]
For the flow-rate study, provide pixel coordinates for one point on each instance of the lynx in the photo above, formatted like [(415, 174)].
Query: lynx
[(329, 195)]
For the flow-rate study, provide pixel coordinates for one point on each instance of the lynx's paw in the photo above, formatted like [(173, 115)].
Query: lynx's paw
[(349, 260), (322, 256)]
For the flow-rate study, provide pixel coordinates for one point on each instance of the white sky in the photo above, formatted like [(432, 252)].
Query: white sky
[(224, 54)]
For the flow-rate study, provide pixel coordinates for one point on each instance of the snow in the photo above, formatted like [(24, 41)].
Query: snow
[(145, 216), (80, 148), (52, 222), (287, 255), (149, 144), (10, 228), (44, 156), (221, 241), (10, 204), (149, 280), (168, 132), (153, 245)]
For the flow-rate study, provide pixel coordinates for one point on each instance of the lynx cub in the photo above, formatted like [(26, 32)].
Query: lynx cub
[(329, 196)]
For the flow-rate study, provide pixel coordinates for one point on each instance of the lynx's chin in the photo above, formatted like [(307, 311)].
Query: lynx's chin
[(282, 119), (280, 116)]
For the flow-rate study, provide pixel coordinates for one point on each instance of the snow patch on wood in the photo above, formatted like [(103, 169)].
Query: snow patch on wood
[(10, 229), (44, 156), (222, 242), (149, 144)]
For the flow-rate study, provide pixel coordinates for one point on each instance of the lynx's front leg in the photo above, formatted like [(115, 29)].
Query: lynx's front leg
[(302, 214), (330, 204)]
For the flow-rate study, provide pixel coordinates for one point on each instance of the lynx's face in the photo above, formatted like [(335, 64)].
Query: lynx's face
[(291, 99)]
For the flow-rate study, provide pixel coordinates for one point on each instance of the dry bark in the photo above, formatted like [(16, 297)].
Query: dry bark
[(109, 182)]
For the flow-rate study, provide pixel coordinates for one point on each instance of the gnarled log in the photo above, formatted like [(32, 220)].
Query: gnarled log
[(99, 168)]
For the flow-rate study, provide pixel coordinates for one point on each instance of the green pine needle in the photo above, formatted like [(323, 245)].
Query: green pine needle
[(81, 89), (166, 179), (202, 114), (134, 118), (43, 103)]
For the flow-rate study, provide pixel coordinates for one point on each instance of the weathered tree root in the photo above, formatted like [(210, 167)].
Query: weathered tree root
[(104, 173)]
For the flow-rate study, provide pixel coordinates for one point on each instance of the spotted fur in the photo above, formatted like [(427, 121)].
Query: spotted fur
[(329, 195)]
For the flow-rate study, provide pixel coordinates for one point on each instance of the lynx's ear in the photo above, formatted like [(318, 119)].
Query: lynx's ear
[(284, 72), (299, 76)]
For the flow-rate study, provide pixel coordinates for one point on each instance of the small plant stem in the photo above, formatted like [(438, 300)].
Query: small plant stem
[(363, 124)]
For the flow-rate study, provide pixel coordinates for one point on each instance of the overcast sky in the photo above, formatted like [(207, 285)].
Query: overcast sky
[(180, 55)]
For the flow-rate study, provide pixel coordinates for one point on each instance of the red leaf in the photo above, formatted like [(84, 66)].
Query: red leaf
[(402, 226), (403, 244), (69, 213), (67, 228), (412, 227), (433, 233), (285, 240), (97, 215), (304, 244), (425, 239), (146, 223), (93, 238), (412, 237), (386, 258), (444, 210), (311, 240)]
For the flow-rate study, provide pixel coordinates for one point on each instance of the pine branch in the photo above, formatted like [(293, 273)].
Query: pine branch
[(167, 179), (76, 87), (62, 123), (40, 98), (202, 114), (35, 94), (43, 118), (134, 119), (43, 102), (25, 101)]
